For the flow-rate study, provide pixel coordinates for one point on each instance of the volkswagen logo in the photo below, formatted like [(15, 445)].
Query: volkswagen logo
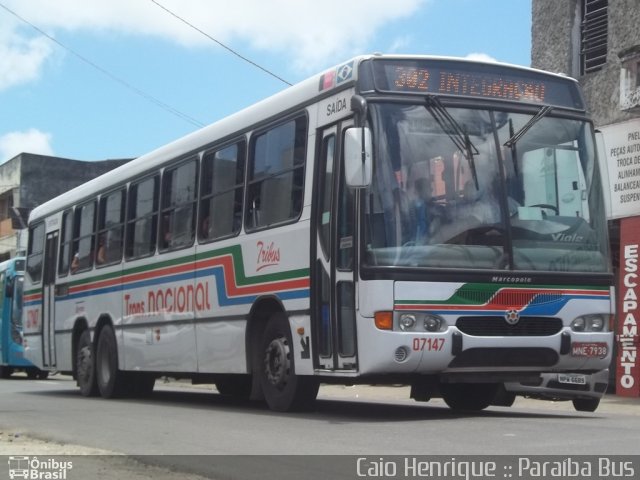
[(512, 317)]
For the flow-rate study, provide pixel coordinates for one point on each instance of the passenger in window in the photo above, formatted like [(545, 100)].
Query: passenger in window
[(166, 232), (205, 228), (75, 263), (101, 253)]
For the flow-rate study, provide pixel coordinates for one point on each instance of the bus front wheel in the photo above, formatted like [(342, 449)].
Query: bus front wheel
[(85, 366), (469, 396), (283, 389), (110, 380)]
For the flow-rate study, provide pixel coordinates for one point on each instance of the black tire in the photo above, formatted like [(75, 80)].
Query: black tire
[(586, 404), (32, 373), (5, 372), (85, 366), (283, 389), (43, 374), (111, 381), (469, 396), (234, 386)]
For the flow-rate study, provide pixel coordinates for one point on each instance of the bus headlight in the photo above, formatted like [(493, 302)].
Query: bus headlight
[(595, 323), (432, 323), (407, 321), (589, 323), (578, 324)]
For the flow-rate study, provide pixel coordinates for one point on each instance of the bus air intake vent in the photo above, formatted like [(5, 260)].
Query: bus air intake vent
[(497, 326)]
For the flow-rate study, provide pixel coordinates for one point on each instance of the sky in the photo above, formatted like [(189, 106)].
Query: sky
[(105, 79)]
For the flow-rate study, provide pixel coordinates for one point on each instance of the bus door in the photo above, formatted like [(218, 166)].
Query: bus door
[(333, 303), (48, 300)]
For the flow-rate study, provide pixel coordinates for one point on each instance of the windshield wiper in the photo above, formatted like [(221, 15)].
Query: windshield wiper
[(455, 131), (543, 112)]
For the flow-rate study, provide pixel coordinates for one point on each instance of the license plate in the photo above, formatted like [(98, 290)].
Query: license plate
[(572, 379), (589, 349)]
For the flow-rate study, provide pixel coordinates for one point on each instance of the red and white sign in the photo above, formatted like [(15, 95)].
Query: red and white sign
[(627, 371)]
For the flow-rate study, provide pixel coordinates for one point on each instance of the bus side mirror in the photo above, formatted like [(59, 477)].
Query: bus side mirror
[(357, 157)]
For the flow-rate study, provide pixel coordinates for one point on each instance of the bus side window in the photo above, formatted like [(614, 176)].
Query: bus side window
[(222, 190), (142, 218), (35, 252), (83, 237), (110, 228), (276, 175), (65, 243), (177, 229)]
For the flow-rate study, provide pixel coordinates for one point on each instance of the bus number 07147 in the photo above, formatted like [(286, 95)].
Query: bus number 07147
[(429, 344)]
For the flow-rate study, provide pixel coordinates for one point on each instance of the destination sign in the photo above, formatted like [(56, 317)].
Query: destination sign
[(478, 80)]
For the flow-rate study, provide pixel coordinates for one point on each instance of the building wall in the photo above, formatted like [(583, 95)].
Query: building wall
[(44, 177), (29, 180), (556, 47)]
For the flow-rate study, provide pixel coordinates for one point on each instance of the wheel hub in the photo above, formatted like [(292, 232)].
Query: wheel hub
[(277, 363), (84, 363)]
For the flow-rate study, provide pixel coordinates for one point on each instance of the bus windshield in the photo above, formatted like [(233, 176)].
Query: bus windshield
[(473, 188)]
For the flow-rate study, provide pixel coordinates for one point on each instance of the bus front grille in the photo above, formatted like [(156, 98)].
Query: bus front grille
[(495, 326)]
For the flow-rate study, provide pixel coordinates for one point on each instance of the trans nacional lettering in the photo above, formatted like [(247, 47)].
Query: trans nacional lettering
[(186, 298)]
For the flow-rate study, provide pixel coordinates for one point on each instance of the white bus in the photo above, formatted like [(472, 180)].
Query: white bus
[(430, 221)]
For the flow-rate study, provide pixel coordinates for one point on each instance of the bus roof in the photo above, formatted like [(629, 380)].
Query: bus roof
[(290, 98)]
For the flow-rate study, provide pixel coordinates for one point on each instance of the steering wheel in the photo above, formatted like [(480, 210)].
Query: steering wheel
[(546, 205)]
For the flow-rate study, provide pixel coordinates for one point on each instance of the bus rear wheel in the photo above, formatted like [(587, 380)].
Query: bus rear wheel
[(110, 380), (283, 389), (469, 396), (85, 366)]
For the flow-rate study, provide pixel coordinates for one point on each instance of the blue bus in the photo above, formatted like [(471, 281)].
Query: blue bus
[(11, 348)]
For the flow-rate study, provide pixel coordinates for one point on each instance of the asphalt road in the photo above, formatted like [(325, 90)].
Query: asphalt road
[(181, 426)]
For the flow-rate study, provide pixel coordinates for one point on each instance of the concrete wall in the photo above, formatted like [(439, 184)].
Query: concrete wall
[(43, 177), (32, 180), (556, 47)]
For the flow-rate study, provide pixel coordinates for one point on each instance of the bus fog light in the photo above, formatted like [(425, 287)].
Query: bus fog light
[(432, 323), (407, 321), (401, 354)]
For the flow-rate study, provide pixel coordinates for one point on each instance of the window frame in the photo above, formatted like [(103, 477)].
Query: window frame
[(239, 188), (40, 253), (251, 183), (102, 229), (594, 35), (167, 210), (77, 236), (66, 242), (132, 221)]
